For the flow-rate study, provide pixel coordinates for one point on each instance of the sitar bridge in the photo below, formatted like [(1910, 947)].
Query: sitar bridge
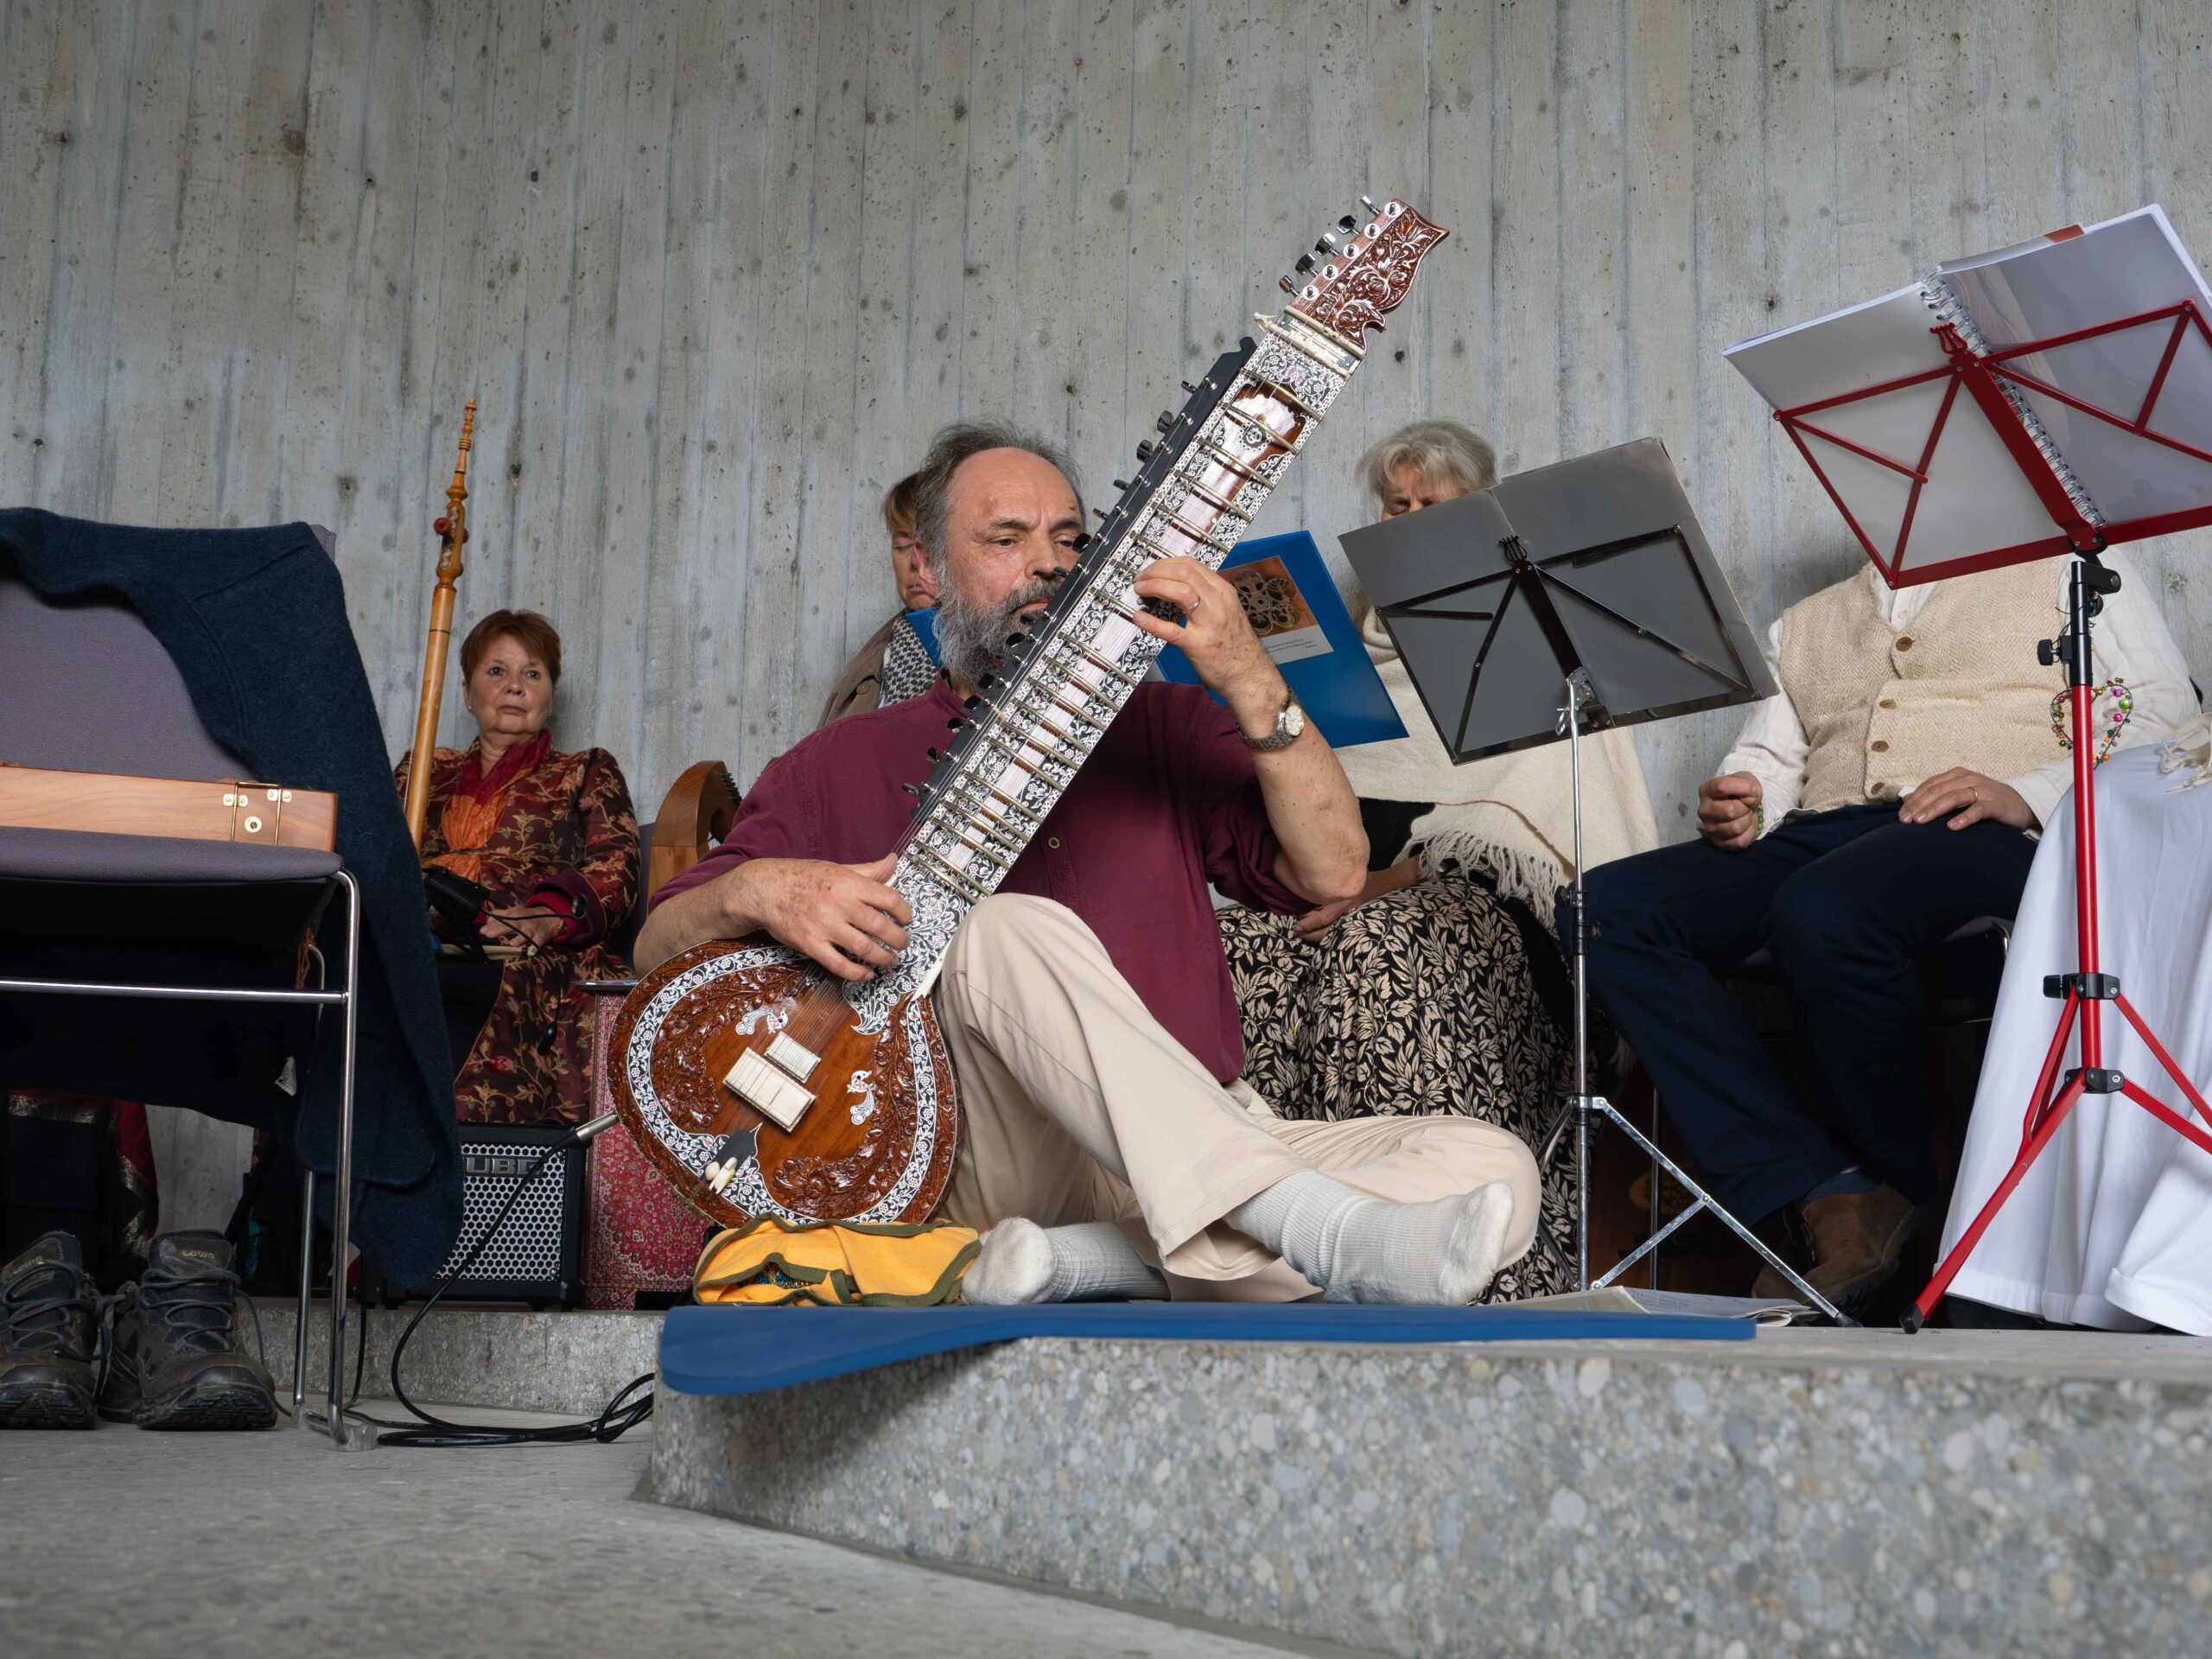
[(774, 1083)]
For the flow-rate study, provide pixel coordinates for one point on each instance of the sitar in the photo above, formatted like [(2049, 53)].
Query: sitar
[(764, 1087)]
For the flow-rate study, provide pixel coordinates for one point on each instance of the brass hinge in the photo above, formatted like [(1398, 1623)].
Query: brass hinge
[(256, 810)]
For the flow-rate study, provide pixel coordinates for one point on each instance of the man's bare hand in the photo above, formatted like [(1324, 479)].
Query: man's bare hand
[(1217, 636), (844, 916), (1727, 810), (1972, 797)]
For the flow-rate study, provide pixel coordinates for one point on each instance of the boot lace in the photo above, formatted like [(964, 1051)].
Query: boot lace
[(196, 1305), (37, 1311)]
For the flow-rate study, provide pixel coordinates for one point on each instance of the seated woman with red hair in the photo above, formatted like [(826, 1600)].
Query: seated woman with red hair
[(551, 838)]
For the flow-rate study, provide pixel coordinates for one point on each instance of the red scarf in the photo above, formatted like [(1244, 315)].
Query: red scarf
[(472, 811)]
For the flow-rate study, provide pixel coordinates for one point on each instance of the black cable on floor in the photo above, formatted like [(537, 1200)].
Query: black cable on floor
[(621, 1413)]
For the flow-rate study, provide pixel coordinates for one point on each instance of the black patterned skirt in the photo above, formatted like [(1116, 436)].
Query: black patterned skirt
[(1423, 1002)]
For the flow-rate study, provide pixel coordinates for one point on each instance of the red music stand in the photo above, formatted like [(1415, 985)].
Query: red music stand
[(1985, 377)]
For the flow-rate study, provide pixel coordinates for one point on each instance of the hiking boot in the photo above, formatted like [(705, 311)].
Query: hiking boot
[(49, 1337), (1858, 1240), (173, 1360)]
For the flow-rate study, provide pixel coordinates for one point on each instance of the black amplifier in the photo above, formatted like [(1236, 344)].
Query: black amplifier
[(537, 1254)]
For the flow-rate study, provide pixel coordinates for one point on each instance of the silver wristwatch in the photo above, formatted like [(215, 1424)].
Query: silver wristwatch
[(1290, 720)]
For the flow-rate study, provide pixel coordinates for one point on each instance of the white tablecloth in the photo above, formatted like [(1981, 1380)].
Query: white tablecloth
[(2112, 1227)]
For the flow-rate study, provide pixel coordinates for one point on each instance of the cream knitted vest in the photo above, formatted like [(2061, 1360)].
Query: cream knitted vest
[(1884, 708)]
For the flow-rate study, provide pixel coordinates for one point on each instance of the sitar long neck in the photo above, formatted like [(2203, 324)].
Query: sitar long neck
[(453, 536), (1022, 739)]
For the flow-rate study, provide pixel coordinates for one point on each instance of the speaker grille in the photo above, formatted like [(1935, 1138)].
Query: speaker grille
[(527, 1245)]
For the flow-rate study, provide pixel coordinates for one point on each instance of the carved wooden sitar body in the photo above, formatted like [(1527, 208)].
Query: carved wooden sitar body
[(762, 1086)]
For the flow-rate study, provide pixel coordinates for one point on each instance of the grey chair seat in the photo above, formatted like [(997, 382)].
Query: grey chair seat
[(81, 856)]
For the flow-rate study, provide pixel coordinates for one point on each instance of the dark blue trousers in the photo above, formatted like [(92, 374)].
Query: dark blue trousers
[(1845, 901)]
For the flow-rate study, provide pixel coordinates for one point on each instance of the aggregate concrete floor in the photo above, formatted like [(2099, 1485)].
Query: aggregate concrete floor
[(123, 1542)]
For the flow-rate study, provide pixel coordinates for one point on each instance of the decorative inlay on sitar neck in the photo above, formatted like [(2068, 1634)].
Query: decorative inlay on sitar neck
[(1199, 486), (787, 1132)]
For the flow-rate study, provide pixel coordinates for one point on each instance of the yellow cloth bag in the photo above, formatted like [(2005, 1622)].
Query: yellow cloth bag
[(835, 1264)]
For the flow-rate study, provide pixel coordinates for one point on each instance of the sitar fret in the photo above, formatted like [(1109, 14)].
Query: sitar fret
[(1061, 689)]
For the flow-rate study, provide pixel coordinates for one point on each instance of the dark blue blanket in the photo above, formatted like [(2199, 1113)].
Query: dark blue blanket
[(752, 1350), (254, 621)]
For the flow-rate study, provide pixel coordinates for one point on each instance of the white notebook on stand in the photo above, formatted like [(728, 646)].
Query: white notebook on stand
[(1982, 415)]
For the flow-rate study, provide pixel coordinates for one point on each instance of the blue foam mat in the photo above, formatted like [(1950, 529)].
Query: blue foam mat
[(752, 1349)]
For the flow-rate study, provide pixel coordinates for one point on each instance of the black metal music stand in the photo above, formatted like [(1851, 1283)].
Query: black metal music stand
[(1590, 576)]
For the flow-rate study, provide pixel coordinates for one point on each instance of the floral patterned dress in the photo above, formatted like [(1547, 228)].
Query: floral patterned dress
[(545, 827)]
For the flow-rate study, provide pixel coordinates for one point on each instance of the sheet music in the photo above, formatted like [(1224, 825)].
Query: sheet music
[(1975, 497), (2122, 268)]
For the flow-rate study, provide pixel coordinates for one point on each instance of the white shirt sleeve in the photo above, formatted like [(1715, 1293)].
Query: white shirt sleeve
[(1772, 746), (2132, 643)]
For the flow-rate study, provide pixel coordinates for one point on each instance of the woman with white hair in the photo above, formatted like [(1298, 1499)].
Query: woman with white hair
[(1440, 988)]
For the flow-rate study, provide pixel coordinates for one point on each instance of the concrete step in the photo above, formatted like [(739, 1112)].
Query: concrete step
[(567, 1361), (1850, 1492)]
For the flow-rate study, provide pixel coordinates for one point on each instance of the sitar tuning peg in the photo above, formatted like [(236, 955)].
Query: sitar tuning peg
[(1120, 483), (1187, 386), (956, 724), (1285, 284), (1101, 512), (1145, 450), (1347, 224), (933, 753), (912, 789), (972, 703), (1368, 202)]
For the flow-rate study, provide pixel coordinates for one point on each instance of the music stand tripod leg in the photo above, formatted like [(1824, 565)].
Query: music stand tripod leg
[(2087, 989), (1586, 1104)]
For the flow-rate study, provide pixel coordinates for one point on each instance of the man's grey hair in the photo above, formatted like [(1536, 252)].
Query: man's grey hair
[(1439, 452), (932, 480)]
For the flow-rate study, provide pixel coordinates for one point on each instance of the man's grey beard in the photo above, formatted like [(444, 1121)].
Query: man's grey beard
[(972, 636)]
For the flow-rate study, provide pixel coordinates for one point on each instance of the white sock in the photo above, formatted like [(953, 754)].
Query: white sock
[(1093, 1261), (1363, 1250)]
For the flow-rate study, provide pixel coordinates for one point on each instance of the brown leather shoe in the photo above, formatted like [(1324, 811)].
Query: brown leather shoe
[(1858, 1240)]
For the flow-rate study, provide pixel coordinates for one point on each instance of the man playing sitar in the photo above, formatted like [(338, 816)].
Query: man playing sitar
[(1086, 1004)]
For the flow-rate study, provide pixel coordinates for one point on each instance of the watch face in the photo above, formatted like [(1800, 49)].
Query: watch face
[(1293, 720)]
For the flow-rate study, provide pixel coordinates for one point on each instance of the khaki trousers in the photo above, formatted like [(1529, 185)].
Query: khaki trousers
[(1079, 1106)]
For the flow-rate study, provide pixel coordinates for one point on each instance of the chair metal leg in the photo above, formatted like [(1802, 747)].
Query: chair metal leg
[(307, 1288), (342, 1204)]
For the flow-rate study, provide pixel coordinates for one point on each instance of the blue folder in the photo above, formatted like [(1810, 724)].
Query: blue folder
[(925, 624), (1323, 658), (732, 1350)]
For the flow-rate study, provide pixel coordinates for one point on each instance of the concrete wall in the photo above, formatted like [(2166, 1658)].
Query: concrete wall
[(715, 269)]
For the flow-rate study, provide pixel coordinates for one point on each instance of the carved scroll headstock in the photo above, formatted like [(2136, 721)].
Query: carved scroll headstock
[(453, 527), (1364, 268)]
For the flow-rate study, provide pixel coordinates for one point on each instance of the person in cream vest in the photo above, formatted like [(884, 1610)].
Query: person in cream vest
[(1890, 792)]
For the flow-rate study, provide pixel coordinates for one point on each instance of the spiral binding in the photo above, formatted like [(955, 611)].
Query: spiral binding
[(1938, 296)]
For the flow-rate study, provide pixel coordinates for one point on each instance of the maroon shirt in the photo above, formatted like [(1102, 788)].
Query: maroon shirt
[(1168, 801)]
